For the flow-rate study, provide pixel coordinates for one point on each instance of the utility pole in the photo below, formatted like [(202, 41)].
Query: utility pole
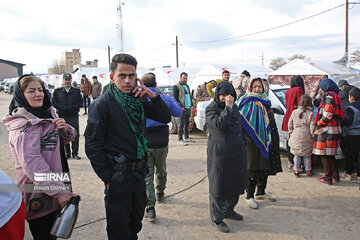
[(262, 58), (347, 27), (108, 48), (177, 52)]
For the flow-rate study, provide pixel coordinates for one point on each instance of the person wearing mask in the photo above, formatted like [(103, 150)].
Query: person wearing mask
[(67, 101), (182, 95), (85, 88), (116, 145), (36, 137), (226, 156), (292, 99), (157, 135), (328, 130), (96, 88)]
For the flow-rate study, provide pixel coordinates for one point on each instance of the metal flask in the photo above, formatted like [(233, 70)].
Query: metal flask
[(66, 219)]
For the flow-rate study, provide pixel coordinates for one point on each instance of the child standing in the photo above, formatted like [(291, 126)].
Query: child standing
[(351, 128), (301, 129)]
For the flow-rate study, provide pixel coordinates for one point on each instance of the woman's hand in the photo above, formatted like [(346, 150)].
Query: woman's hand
[(61, 125), (65, 198), (229, 100)]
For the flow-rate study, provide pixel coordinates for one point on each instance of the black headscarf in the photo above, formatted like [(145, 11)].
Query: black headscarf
[(297, 81), (224, 88), (20, 101)]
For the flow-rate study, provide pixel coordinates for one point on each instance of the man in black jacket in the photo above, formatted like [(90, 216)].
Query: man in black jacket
[(115, 143), (67, 100)]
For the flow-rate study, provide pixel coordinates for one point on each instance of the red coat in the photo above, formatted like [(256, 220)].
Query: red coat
[(292, 99)]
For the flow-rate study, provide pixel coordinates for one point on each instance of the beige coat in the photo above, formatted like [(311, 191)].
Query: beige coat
[(301, 132)]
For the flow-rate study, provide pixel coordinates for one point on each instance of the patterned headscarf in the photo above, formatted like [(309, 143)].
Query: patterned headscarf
[(252, 108), (134, 111)]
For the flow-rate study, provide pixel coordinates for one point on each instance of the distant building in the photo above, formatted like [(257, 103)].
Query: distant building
[(69, 59), (9, 69)]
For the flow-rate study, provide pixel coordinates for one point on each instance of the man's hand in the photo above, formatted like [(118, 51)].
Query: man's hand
[(229, 100), (142, 91)]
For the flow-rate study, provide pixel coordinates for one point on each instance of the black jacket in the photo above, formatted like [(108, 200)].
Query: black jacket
[(67, 104), (108, 131), (344, 97)]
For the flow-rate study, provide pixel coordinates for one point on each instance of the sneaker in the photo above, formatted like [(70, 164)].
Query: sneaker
[(150, 214), (323, 180), (222, 226), (346, 176), (297, 173), (251, 203), (189, 140), (182, 143), (234, 216), (76, 156), (290, 167), (308, 173), (266, 197), (160, 197)]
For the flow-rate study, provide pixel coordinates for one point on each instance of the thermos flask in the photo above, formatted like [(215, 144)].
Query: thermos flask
[(66, 219)]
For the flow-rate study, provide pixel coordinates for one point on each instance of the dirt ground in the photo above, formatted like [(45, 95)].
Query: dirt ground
[(305, 209)]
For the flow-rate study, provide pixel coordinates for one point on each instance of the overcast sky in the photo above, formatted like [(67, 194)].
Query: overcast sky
[(37, 32)]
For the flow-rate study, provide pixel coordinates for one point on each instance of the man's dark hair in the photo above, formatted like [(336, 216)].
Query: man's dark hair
[(122, 58), (183, 73), (94, 77), (355, 92), (317, 102), (225, 71), (149, 79)]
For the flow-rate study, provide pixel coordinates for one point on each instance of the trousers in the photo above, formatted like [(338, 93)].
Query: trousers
[(157, 165), (74, 122), (260, 183), (184, 124), (125, 205), (222, 207)]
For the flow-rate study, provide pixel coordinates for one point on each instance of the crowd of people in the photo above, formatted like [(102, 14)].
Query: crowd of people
[(127, 137)]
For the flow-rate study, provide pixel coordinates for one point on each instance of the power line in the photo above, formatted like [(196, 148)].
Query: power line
[(269, 29)]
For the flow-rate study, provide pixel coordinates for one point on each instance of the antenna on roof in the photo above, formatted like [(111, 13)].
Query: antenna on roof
[(120, 29)]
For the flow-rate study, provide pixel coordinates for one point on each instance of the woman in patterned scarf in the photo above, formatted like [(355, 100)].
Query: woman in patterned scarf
[(254, 109), (328, 130)]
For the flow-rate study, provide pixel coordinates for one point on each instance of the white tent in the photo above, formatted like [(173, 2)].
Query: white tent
[(206, 74)]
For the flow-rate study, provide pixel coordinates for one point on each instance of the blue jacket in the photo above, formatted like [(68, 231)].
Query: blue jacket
[(174, 106)]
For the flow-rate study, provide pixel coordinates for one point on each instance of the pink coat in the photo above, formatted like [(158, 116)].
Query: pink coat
[(35, 146)]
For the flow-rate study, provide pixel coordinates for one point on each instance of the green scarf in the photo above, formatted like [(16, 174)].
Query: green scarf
[(134, 111)]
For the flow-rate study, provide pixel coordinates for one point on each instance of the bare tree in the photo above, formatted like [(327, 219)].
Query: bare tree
[(276, 63), (355, 56), (296, 56), (56, 68)]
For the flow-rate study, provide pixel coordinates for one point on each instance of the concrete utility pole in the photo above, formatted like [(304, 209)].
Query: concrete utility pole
[(177, 52), (347, 27)]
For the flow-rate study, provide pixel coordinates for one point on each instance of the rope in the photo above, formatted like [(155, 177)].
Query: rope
[(168, 196)]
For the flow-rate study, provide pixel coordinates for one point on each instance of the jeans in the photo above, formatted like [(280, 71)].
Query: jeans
[(184, 124), (86, 99), (307, 163)]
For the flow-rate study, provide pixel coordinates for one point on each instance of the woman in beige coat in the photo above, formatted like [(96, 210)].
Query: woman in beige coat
[(301, 129)]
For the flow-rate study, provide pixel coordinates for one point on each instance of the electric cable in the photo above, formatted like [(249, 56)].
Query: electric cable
[(168, 196)]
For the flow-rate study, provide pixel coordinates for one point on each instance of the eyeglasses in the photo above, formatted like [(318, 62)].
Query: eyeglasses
[(124, 75)]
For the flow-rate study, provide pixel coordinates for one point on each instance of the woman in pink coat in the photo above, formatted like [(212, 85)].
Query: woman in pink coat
[(35, 138)]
